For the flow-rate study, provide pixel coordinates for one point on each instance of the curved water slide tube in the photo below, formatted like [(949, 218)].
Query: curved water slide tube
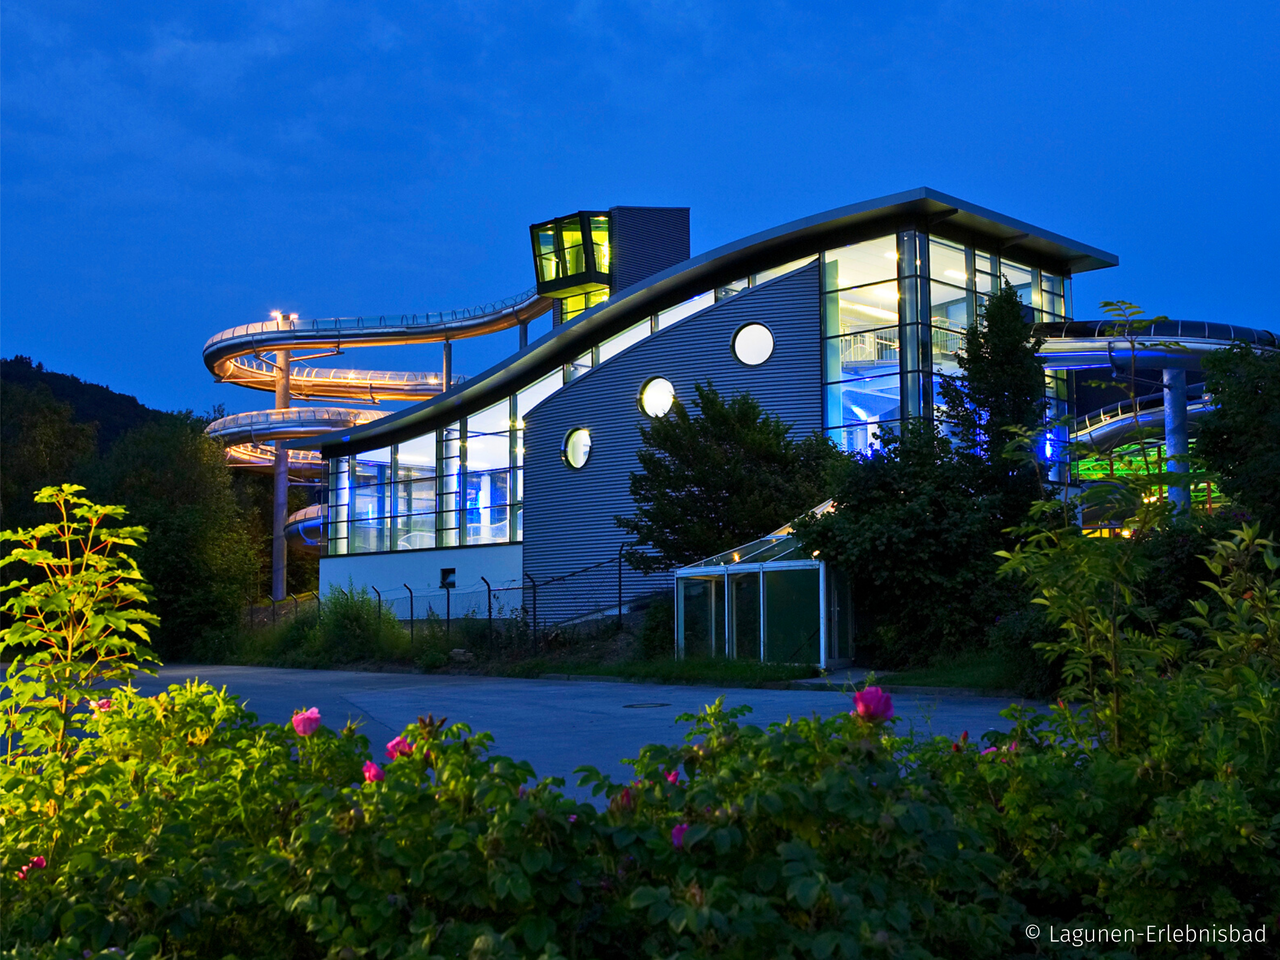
[(1178, 344), (247, 355)]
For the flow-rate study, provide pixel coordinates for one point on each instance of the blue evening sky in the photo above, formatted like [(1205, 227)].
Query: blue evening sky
[(169, 170)]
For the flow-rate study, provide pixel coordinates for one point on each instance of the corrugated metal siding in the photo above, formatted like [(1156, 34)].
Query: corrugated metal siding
[(645, 241), (568, 514)]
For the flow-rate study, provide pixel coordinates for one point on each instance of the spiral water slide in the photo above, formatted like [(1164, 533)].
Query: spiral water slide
[(273, 355)]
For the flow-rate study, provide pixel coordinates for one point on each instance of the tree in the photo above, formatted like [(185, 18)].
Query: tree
[(1002, 381), (198, 557), (43, 444), (915, 532), (720, 478), (1240, 439)]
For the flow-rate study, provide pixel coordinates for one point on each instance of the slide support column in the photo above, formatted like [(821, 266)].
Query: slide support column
[(1176, 442), (280, 473)]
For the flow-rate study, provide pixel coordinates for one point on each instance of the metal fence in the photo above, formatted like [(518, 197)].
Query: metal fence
[(534, 613)]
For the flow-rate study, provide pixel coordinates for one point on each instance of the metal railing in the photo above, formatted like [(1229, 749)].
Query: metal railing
[(321, 324)]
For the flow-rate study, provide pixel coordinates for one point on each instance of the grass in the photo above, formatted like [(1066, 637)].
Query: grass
[(978, 670), (736, 672)]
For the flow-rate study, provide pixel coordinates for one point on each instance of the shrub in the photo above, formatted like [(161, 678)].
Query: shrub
[(81, 624), (658, 633), (1018, 638), (178, 826), (346, 626)]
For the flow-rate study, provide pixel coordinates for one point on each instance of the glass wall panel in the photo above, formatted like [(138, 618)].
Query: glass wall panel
[(600, 237), (950, 316), (370, 505), (861, 307), (1020, 277), (413, 525), (572, 371), (861, 410), (691, 306), (947, 263), (792, 616), (699, 603), (839, 616), (615, 345), (548, 264), (488, 473), (1052, 297), (571, 234), (339, 505), (860, 263), (744, 589), (488, 502), (863, 353), (535, 393), (449, 481), (732, 289), (764, 276)]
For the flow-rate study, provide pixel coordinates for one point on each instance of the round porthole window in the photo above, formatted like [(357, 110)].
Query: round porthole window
[(753, 344), (577, 447), (657, 396)]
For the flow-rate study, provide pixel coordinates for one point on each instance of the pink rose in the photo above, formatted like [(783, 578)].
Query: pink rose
[(103, 704), (874, 704), (38, 863), (306, 723), (372, 772), (673, 777), (988, 750), (677, 834), (399, 747)]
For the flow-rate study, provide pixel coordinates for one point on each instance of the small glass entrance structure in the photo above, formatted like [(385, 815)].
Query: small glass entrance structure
[(765, 601)]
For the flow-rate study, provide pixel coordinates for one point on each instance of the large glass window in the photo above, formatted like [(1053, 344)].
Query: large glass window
[(862, 356), (414, 521), (488, 472), (881, 317), (860, 263)]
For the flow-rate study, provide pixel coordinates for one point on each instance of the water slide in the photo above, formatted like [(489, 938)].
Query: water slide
[(251, 355)]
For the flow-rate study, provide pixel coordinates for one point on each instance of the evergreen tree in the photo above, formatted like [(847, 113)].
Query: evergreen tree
[(719, 478), (1002, 379)]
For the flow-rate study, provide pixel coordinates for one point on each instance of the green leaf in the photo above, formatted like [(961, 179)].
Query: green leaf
[(804, 891)]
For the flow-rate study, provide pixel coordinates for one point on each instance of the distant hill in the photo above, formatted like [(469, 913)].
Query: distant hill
[(114, 413)]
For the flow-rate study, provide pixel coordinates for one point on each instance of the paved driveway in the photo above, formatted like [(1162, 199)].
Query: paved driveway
[(555, 725)]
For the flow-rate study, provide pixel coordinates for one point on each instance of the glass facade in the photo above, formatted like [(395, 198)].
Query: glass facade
[(443, 489), (895, 311)]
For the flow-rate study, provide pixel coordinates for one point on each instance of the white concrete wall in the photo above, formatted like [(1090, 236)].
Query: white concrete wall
[(501, 563)]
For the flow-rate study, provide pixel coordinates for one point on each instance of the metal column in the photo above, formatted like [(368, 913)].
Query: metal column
[(1176, 442), (447, 377), (280, 501)]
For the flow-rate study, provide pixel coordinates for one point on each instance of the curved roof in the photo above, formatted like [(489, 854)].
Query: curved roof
[(942, 215)]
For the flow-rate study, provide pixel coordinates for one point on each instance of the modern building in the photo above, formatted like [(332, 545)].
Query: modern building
[(841, 322)]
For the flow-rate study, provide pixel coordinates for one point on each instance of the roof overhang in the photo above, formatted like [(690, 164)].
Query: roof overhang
[(925, 209)]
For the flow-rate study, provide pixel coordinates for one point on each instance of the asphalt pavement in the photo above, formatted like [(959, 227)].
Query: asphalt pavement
[(556, 725)]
